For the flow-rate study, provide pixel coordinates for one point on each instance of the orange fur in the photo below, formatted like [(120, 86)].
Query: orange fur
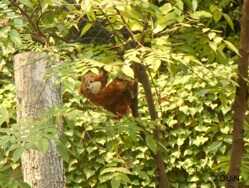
[(115, 97)]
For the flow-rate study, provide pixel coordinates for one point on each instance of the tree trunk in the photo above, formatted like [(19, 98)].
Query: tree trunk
[(141, 75), (35, 94), (240, 102)]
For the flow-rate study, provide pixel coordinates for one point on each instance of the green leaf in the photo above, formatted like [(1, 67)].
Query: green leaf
[(214, 146), (220, 165), (135, 59), (43, 145), (201, 14), (27, 3), (4, 115), (115, 182), (194, 5), (18, 153), (23, 184), (200, 140), (166, 8), (184, 109), (156, 64), (217, 39), (221, 57), (88, 173), (179, 4), (213, 46), (211, 35), (62, 150), (151, 143), (180, 141), (5, 138), (86, 5), (188, 152), (229, 20), (15, 37), (231, 47), (127, 70), (115, 169), (203, 92), (123, 177), (85, 29), (91, 15), (223, 99), (217, 15), (18, 22), (163, 148)]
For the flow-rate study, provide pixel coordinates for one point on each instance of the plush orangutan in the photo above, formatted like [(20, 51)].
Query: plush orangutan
[(115, 97)]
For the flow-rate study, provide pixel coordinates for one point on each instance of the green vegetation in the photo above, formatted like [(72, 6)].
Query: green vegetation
[(189, 50)]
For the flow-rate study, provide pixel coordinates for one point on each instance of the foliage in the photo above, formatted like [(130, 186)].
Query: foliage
[(197, 120), (189, 51), (199, 117)]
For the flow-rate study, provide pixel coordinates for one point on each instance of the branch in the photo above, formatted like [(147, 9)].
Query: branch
[(140, 73), (33, 27)]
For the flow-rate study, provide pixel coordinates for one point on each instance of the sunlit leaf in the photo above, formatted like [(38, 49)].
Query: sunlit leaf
[(211, 35), (115, 169), (229, 20), (86, 28), (127, 70), (166, 8), (156, 64), (86, 5), (201, 14), (194, 5), (213, 46), (232, 47)]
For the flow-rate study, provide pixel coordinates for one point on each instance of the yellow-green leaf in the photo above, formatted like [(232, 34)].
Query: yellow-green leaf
[(86, 28), (156, 64), (232, 47), (127, 70), (228, 20)]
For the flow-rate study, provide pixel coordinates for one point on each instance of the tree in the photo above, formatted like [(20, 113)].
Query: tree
[(35, 94), (183, 53), (241, 100)]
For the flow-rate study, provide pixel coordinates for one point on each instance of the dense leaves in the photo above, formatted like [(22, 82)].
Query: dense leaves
[(189, 50)]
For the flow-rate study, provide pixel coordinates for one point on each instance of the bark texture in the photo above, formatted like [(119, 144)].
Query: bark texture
[(241, 97), (35, 94), (140, 74)]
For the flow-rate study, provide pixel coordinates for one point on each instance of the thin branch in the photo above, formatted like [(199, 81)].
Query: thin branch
[(111, 25), (33, 27)]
